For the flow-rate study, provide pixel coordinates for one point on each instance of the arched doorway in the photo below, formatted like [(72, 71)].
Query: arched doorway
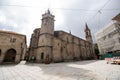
[(42, 56), (10, 55)]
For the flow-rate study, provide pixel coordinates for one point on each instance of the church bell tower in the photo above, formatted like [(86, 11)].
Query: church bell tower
[(47, 23), (88, 34), (44, 51)]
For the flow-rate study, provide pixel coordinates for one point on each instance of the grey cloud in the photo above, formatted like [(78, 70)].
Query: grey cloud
[(74, 12), (77, 19)]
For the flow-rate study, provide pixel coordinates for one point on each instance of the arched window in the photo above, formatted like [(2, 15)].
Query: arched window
[(87, 33)]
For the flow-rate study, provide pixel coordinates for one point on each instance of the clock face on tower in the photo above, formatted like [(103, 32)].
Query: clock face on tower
[(47, 20)]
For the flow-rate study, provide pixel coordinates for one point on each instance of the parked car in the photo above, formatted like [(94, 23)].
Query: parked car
[(116, 60), (112, 57)]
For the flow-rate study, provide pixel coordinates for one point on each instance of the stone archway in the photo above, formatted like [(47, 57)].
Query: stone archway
[(10, 55)]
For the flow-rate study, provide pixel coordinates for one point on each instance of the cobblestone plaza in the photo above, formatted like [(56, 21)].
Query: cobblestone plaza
[(81, 70)]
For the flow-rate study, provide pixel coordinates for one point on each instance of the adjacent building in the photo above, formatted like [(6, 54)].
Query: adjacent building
[(57, 46), (12, 47), (108, 38)]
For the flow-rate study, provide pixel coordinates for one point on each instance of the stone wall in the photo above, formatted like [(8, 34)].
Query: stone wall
[(56, 54), (14, 41), (33, 43), (72, 47), (62, 47)]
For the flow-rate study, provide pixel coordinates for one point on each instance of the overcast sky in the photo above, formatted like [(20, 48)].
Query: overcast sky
[(23, 16)]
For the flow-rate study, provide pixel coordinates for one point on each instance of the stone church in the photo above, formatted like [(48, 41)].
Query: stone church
[(58, 46)]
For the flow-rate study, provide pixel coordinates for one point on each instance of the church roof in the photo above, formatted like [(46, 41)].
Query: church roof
[(10, 32), (70, 34)]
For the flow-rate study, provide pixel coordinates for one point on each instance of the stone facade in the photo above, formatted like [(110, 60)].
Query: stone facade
[(12, 46), (108, 38), (57, 46)]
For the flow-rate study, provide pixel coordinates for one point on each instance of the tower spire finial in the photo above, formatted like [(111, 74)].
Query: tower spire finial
[(48, 11), (86, 25)]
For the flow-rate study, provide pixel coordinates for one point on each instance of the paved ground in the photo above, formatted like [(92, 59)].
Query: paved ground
[(81, 70)]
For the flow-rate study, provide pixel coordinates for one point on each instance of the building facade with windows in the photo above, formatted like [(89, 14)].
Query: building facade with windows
[(57, 46), (108, 38), (12, 47)]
